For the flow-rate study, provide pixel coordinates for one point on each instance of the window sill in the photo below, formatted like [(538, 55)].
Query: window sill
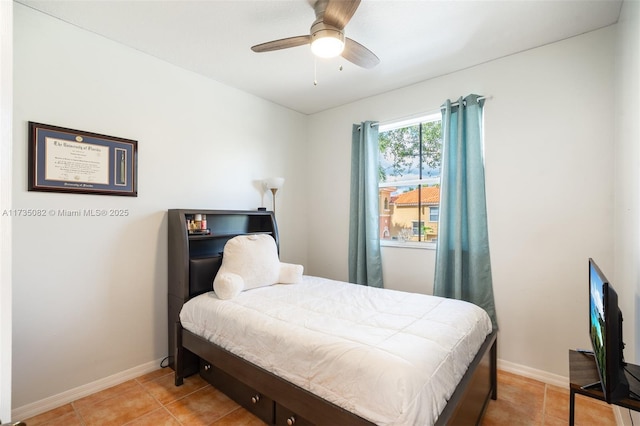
[(408, 244)]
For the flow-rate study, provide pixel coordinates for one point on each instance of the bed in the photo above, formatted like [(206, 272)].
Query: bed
[(355, 367)]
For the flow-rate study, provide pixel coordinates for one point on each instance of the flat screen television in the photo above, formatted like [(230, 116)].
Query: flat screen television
[(605, 329)]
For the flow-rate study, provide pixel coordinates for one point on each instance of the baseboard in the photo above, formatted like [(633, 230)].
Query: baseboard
[(532, 373), (55, 401)]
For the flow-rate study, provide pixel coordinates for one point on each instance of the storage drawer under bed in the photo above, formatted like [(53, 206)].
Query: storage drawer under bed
[(286, 417), (261, 406)]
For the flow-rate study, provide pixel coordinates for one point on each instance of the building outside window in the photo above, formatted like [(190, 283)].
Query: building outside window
[(409, 176)]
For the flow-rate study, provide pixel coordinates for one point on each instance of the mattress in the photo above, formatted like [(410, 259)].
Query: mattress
[(391, 357)]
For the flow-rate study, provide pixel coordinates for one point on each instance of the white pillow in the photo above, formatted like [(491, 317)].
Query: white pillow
[(251, 261)]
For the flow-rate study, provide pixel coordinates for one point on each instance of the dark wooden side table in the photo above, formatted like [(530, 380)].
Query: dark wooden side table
[(583, 372)]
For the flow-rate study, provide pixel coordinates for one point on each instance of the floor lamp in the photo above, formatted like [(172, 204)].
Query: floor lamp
[(274, 184)]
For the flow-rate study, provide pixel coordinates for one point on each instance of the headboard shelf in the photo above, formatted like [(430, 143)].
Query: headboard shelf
[(194, 260), (224, 235)]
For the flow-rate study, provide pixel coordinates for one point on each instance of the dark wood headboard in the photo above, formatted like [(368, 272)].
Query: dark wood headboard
[(201, 274), (194, 258)]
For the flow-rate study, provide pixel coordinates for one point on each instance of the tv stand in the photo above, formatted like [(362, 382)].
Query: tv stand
[(590, 386), (583, 376)]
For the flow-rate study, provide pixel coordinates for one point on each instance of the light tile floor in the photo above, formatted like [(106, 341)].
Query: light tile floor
[(524, 401), (153, 400)]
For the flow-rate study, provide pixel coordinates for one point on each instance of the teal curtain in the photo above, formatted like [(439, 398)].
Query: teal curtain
[(365, 262), (463, 265)]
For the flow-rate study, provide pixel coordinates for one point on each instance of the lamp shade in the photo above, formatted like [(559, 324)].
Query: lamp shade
[(274, 183), (326, 41), (327, 47)]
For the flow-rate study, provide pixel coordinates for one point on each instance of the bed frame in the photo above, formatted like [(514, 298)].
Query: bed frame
[(193, 262)]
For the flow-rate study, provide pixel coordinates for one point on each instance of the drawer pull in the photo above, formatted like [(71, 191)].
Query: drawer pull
[(255, 398), (291, 420), (207, 367)]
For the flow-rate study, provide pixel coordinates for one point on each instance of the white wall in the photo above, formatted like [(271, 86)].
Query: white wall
[(627, 175), (6, 103), (627, 181), (549, 170), (89, 294)]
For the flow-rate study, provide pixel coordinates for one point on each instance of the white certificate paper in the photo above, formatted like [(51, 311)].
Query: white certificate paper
[(76, 162)]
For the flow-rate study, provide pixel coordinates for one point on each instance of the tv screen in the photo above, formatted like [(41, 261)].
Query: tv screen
[(605, 330)]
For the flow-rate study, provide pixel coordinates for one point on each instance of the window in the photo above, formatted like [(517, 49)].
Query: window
[(434, 214), (409, 176)]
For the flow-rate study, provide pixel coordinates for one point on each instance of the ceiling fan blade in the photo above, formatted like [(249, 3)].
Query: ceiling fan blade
[(358, 54), (283, 43), (339, 12)]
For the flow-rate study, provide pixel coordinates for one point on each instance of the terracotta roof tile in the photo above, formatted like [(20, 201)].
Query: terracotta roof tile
[(430, 195)]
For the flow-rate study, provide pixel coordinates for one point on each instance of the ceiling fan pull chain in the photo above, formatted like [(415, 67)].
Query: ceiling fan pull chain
[(315, 71)]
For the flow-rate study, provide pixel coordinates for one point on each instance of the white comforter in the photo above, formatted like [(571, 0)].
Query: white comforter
[(391, 357)]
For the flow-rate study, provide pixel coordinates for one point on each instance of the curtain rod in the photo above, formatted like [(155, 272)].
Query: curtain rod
[(480, 98)]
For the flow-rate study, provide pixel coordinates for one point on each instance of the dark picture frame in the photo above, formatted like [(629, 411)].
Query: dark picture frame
[(75, 161)]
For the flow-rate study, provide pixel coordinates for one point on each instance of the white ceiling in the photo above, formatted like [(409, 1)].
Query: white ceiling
[(415, 40)]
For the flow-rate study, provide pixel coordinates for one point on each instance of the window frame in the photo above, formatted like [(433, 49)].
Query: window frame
[(423, 118)]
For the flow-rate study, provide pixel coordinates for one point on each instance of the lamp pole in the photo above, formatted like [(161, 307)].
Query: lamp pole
[(273, 191)]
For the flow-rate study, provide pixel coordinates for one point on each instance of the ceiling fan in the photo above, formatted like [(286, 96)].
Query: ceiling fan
[(327, 35)]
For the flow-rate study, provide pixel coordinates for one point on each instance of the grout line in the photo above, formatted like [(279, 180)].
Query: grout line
[(544, 404), (186, 395), (144, 389), (162, 405), (75, 410), (172, 415), (78, 414), (135, 389)]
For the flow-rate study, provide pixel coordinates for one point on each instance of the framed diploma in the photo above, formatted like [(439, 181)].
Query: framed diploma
[(67, 160)]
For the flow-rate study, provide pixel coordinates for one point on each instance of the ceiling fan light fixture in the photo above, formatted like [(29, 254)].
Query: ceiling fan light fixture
[(326, 35), (327, 43)]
